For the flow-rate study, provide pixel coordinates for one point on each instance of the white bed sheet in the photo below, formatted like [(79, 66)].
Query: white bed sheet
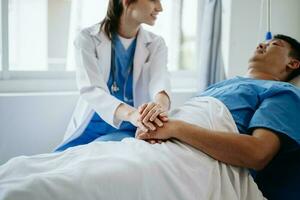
[(133, 169)]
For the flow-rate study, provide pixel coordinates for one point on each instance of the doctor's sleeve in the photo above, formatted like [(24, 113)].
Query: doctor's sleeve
[(159, 75), (90, 79)]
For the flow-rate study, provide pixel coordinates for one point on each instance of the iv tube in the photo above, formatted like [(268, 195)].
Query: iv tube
[(268, 34)]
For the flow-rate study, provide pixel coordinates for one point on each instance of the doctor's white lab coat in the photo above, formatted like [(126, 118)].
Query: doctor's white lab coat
[(93, 58)]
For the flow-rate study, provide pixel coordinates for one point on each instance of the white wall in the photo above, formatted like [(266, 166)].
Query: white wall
[(245, 33), (35, 123), (32, 123)]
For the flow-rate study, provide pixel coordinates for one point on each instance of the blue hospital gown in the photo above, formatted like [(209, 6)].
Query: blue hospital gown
[(275, 106)]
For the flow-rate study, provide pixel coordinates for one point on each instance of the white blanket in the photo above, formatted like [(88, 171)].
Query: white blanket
[(133, 169)]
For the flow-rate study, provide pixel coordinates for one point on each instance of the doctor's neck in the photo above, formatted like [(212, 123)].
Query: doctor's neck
[(128, 27)]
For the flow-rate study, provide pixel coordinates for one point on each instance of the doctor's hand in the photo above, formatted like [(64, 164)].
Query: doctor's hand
[(130, 114), (153, 113), (135, 119)]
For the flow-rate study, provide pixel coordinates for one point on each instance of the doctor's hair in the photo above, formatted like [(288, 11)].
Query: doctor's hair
[(294, 53), (111, 22)]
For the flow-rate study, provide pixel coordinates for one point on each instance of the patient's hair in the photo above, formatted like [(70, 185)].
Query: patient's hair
[(294, 53)]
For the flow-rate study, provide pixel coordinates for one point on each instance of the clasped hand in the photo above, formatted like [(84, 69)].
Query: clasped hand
[(149, 117)]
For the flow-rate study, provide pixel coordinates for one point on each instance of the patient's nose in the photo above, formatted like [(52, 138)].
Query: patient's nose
[(262, 46)]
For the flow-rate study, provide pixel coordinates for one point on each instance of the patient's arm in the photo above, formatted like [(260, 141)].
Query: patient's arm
[(254, 151)]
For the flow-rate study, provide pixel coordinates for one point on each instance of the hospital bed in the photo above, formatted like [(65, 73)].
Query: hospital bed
[(133, 169)]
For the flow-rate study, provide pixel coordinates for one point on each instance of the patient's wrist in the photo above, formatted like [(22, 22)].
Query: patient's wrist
[(178, 128)]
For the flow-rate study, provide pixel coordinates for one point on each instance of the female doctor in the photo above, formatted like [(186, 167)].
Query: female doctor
[(121, 74)]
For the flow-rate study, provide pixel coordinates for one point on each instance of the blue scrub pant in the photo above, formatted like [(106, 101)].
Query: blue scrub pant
[(88, 137)]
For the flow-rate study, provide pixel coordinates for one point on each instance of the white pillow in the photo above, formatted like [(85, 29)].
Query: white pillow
[(296, 81)]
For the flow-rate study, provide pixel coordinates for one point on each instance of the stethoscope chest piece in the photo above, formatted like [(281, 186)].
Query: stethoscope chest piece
[(114, 87)]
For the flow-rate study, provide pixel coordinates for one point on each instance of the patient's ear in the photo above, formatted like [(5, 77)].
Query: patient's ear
[(294, 64)]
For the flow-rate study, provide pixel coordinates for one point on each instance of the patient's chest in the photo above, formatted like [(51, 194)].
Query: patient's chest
[(206, 112)]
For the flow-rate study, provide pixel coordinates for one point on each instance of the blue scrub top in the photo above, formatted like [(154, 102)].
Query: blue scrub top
[(98, 129), (275, 106)]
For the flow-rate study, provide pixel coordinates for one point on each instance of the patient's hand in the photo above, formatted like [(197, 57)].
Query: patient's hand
[(162, 133), (151, 141)]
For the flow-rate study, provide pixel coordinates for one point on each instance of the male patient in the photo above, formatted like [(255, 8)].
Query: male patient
[(266, 111)]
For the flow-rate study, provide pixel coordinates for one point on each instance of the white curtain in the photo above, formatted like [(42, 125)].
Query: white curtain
[(211, 64)]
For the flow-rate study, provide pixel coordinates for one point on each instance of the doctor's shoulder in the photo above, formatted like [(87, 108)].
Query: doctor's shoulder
[(87, 37), (156, 41)]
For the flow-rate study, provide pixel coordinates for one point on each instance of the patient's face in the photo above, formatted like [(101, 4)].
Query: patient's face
[(271, 56)]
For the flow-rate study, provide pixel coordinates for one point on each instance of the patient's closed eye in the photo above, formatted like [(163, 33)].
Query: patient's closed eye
[(277, 43)]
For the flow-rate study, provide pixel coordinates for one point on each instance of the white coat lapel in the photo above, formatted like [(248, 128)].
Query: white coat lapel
[(103, 50), (141, 55)]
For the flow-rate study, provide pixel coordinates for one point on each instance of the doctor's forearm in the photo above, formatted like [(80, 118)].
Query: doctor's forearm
[(124, 112)]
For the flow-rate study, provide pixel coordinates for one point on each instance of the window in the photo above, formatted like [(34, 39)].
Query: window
[(177, 25), (28, 35), (41, 32)]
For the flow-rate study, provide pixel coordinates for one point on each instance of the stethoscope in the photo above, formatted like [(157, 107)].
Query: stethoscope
[(114, 87)]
